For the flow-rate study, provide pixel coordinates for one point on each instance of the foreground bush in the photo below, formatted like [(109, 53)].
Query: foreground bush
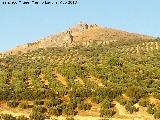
[(12, 104), (157, 114), (70, 118), (151, 109), (121, 100), (37, 116), (22, 117), (135, 92), (107, 113), (84, 106), (130, 108), (38, 109), (69, 111), (7, 117), (144, 102), (55, 111), (23, 105), (38, 102)]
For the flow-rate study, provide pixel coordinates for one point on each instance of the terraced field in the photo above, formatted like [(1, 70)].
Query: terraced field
[(142, 48), (118, 81)]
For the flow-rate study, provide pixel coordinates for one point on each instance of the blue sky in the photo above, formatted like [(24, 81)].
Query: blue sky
[(21, 24)]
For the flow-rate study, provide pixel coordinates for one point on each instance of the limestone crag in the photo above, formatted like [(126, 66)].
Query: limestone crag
[(59, 40)]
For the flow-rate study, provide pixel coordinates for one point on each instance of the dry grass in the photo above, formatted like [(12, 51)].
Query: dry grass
[(61, 78), (79, 80), (45, 82), (154, 101), (95, 109), (108, 34), (65, 99), (125, 97), (96, 80)]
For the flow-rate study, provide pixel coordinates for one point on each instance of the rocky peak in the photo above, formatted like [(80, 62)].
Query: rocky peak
[(80, 34), (70, 35), (81, 27)]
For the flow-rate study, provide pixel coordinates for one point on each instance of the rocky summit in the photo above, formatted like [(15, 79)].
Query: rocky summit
[(80, 34)]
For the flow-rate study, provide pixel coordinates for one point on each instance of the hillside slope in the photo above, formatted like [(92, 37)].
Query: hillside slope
[(119, 81), (80, 34), (98, 74)]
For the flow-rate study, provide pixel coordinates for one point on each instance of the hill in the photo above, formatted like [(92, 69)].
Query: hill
[(80, 34), (95, 81)]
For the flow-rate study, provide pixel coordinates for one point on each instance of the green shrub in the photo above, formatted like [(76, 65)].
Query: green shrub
[(151, 109), (53, 102), (121, 100), (23, 105), (38, 109), (55, 111), (84, 106), (73, 104), (106, 104), (69, 111), (130, 108), (12, 104), (157, 114), (144, 102), (135, 92), (70, 118), (106, 113), (7, 117), (38, 102), (37, 116), (133, 101), (157, 95), (22, 117)]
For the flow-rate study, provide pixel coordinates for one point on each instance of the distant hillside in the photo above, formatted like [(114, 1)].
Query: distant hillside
[(80, 34)]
